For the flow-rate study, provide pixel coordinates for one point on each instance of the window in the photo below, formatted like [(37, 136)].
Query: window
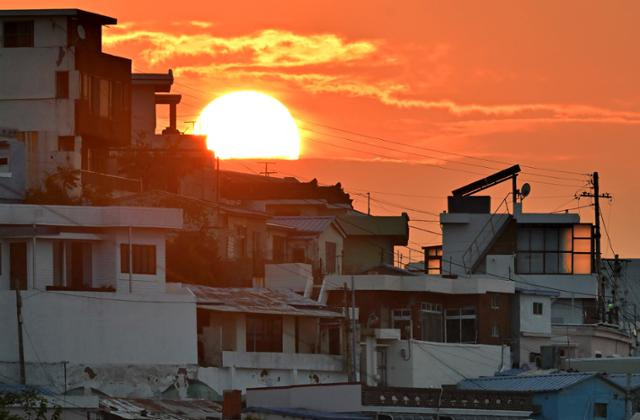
[(18, 265), (5, 153), (495, 302), (62, 84), (144, 259), (555, 250), (600, 410), (264, 333), (298, 255), (104, 99), (66, 143), (431, 321), (495, 331), (535, 358), (241, 242), (331, 257), (85, 86), (537, 308), (18, 34), (433, 259), (401, 320), (278, 251), (461, 325)]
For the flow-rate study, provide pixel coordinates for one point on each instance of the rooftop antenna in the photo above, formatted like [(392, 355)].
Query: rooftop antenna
[(266, 171)]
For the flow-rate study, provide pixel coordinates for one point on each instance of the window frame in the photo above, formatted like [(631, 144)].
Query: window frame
[(537, 305), (461, 316), (29, 34), (148, 267), (527, 256)]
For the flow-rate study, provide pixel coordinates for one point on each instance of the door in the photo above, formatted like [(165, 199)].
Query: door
[(18, 265)]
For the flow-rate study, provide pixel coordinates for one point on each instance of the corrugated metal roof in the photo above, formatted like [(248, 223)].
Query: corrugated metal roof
[(258, 301), (620, 379), (138, 408), (311, 224), (527, 383), (366, 225)]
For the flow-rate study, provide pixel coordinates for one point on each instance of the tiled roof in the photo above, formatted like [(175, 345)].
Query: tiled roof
[(526, 383), (310, 224), (258, 301)]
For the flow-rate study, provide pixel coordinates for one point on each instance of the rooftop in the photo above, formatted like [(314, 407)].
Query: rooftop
[(90, 216), (528, 383), (306, 224), (160, 81), (258, 301), (139, 408), (102, 19), (366, 225)]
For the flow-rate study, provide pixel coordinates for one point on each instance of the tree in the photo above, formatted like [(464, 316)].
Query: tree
[(33, 406)]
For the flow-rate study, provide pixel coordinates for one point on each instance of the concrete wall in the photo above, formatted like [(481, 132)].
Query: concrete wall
[(364, 253), (84, 327), (342, 397), (421, 364), (577, 402), (458, 232), (294, 276), (590, 340), (331, 235), (533, 323), (141, 282)]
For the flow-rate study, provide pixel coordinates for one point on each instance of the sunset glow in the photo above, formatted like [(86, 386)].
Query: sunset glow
[(249, 124)]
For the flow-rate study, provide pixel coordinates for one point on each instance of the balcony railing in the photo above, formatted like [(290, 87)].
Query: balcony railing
[(447, 398)]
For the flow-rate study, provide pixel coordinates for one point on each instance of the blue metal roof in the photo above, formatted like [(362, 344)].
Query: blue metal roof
[(621, 380), (17, 388), (526, 383)]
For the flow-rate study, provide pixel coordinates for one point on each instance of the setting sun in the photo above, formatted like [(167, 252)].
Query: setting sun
[(248, 124)]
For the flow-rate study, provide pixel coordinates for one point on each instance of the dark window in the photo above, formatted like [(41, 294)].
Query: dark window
[(600, 410), (331, 256), (278, 251), (495, 302), (18, 34), (401, 320), (18, 265), (433, 259), (144, 259), (535, 358), (495, 331), (241, 242), (66, 143), (431, 322), (537, 308), (461, 325), (264, 333), (555, 250), (62, 84), (298, 255)]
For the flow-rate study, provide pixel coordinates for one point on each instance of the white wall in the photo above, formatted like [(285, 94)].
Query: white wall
[(530, 322), (100, 327), (294, 276), (142, 282), (430, 365), (458, 232), (337, 397)]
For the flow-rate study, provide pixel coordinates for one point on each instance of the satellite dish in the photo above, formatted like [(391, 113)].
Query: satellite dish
[(82, 34), (525, 190)]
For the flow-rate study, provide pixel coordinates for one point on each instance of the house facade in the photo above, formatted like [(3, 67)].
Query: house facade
[(61, 93)]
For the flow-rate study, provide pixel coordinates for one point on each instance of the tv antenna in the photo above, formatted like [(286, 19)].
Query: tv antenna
[(266, 171)]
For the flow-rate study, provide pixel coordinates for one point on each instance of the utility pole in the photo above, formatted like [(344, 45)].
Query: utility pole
[(345, 336), (595, 180), (353, 328), (23, 378), (266, 171), (369, 203)]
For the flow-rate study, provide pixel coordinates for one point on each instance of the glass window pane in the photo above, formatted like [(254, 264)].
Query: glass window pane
[(551, 239), (468, 311), (523, 239), (453, 312), (537, 263), (582, 263), (551, 263), (453, 331), (523, 262), (582, 245), (537, 239), (468, 331), (565, 239), (565, 263), (582, 231)]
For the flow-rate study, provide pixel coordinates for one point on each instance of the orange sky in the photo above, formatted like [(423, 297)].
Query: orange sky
[(542, 83)]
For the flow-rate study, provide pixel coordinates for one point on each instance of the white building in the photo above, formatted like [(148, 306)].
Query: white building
[(84, 305), (65, 97)]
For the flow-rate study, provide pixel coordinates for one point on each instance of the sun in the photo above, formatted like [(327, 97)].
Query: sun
[(248, 125)]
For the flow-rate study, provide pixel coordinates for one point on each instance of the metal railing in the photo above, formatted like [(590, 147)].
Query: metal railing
[(448, 398), (487, 234)]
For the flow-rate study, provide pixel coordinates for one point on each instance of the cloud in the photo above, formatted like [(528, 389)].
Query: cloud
[(268, 48)]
